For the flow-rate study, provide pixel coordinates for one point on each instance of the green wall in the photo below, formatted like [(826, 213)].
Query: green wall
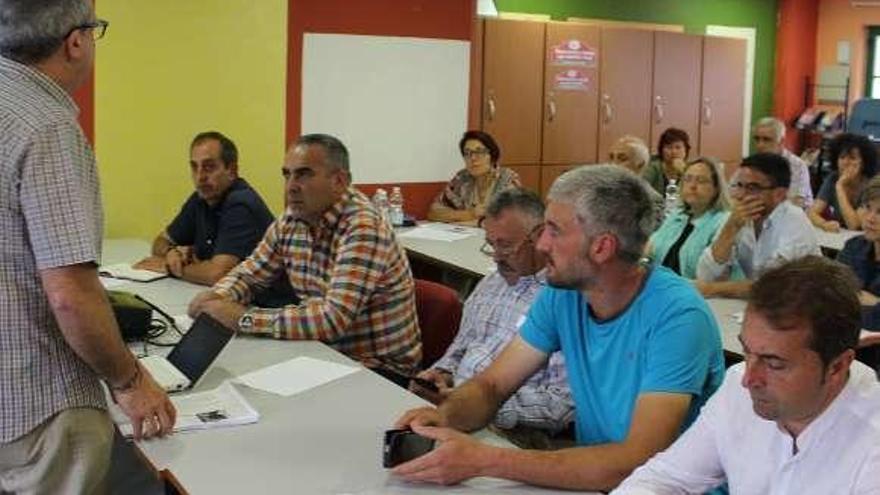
[(694, 15)]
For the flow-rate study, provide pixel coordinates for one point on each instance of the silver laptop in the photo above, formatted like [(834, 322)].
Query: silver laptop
[(191, 358)]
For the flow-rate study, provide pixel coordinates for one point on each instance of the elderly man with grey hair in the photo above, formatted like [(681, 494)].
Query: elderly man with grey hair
[(58, 336), (641, 347), (767, 135)]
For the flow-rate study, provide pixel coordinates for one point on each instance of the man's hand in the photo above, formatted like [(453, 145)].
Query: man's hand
[(177, 258), (151, 263), (422, 416), (147, 405), (196, 306), (748, 208), (442, 379), (225, 311), (456, 457)]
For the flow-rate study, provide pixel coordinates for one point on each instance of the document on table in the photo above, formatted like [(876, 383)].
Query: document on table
[(124, 271), (439, 232), (224, 406), (296, 375)]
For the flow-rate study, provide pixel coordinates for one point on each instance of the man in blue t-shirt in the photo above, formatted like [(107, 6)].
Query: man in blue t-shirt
[(642, 349), (219, 224)]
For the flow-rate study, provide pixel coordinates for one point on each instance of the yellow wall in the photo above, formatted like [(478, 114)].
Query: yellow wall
[(168, 69)]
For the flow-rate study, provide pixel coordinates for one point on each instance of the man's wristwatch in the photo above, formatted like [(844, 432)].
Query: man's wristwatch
[(246, 322)]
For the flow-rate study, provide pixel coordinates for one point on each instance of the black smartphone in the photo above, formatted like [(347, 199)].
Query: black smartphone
[(403, 445), (426, 384)]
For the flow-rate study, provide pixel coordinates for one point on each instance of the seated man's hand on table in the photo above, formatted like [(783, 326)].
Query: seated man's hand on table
[(221, 309), (441, 378), (456, 457), (151, 263)]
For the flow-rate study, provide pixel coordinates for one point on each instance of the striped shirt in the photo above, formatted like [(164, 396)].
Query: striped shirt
[(353, 278), (491, 319), (50, 216)]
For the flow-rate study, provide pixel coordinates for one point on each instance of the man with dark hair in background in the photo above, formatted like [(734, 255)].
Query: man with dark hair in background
[(799, 415), (58, 335), (221, 222), (764, 228)]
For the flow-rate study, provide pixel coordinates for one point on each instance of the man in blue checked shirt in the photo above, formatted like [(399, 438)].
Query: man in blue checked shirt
[(541, 408), (641, 347)]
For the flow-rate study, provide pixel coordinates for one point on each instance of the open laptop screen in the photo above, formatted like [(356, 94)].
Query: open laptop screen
[(200, 347)]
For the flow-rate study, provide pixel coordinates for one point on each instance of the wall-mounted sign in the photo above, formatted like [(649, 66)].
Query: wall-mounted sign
[(571, 80), (573, 52)]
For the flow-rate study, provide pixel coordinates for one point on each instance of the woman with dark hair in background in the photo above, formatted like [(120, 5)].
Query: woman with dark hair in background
[(672, 152), (855, 160), (467, 194)]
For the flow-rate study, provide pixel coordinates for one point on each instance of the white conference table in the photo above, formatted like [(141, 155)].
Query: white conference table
[(323, 440), (462, 254)]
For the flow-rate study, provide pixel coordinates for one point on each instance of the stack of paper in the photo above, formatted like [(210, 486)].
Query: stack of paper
[(126, 272), (439, 232), (224, 406)]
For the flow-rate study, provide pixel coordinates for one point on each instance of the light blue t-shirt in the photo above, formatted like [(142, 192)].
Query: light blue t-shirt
[(667, 340)]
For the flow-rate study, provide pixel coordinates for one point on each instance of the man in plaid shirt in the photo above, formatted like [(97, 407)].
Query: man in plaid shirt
[(343, 261)]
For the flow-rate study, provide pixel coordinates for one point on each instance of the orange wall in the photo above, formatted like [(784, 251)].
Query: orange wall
[(795, 60), (838, 20)]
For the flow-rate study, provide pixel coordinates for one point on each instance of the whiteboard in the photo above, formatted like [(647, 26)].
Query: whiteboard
[(399, 104)]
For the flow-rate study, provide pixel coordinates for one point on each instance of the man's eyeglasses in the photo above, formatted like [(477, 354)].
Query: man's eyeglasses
[(477, 153), (98, 28), (493, 251), (750, 187)]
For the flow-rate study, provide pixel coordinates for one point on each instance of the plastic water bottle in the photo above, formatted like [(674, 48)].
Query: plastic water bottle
[(380, 200), (395, 207), (671, 196)]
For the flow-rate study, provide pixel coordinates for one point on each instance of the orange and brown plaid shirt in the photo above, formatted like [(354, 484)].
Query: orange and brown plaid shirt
[(353, 278)]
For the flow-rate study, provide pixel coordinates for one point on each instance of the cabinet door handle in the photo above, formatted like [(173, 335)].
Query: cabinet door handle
[(490, 103), (707, 111), (606, 108), (551, 108), (658, 109)]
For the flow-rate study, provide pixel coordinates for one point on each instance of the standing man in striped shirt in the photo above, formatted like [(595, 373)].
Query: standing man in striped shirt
[(58, 336), (343, 261)]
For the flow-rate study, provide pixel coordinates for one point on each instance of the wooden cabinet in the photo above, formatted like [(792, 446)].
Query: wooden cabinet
[(559, 94), (549, 173), (513, 69), (721, 120), (678, 61), (571, 93), (625, 103), (529, 176)]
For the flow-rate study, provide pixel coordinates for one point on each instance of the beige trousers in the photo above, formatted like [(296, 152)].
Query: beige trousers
[(67, 454)]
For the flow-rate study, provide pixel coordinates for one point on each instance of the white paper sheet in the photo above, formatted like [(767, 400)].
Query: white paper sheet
[(126, 272), (218, 408), (295, 376), (440, 232)]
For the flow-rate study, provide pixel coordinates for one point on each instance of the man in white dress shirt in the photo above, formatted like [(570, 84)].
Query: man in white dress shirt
[(767, 134), (764, 229), (799, 415)]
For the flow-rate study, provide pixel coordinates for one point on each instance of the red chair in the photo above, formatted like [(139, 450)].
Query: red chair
[(439, 312)]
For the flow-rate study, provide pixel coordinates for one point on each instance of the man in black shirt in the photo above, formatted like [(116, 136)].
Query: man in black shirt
[(221, 222)]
